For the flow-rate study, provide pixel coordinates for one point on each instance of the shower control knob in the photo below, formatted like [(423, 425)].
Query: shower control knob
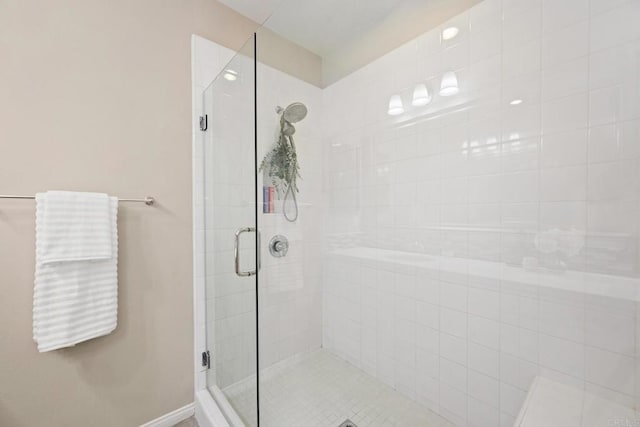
[(278, 246)]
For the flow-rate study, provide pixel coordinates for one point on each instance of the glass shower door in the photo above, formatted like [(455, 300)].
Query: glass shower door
[(231, 237)]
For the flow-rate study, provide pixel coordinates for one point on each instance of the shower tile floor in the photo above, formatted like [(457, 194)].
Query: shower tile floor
[(323, 390)]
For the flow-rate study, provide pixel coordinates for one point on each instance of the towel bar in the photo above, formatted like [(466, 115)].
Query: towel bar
[(147, 200)]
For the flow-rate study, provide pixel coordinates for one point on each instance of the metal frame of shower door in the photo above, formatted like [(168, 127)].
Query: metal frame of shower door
[(255, 210)]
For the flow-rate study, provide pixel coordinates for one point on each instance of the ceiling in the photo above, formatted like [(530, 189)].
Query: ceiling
[(256, 10), (347, 34), (323, 26)]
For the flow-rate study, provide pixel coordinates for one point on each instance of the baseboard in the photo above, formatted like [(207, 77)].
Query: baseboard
[(173, 417)]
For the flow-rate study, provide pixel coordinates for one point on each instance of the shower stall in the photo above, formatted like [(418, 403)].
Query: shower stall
[(425, 214)]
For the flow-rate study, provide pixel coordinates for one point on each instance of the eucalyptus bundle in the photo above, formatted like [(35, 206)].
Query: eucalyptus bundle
[(281, 164)]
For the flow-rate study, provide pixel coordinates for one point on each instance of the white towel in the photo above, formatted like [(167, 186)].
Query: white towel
[(74, 300), (74, 226)]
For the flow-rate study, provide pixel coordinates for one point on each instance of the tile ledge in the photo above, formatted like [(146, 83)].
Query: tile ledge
[(553, 404)]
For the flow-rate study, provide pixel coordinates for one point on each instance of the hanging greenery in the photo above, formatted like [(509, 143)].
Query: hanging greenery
[(281, 163)]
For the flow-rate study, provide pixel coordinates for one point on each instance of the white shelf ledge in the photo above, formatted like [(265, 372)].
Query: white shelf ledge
[(552, 404)]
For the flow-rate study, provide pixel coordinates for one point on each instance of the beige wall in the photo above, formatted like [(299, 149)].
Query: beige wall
[(289, 57), (95, 95)]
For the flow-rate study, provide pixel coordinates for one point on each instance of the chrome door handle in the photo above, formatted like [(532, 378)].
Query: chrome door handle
[(236, 252)]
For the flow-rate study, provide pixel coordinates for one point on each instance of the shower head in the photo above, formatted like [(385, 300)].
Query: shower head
[(287, 128), (294, 112)]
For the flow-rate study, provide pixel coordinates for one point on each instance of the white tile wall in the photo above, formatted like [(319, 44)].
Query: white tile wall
[(291, 287), (472, 244), (223, 201)]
